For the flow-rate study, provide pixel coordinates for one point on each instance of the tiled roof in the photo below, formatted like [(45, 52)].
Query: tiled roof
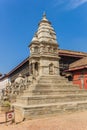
[(14, 69), (21, 64), (78, 63), (70, 53)]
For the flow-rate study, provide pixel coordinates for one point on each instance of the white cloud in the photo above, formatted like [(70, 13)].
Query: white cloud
[(76, 3), (71, 4)]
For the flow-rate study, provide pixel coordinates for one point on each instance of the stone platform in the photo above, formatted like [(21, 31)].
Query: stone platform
[(50, 95)]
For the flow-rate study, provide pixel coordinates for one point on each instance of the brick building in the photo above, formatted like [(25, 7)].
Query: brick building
[(79, 72)]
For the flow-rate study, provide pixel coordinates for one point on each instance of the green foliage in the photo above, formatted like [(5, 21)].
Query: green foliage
[(6, 104)]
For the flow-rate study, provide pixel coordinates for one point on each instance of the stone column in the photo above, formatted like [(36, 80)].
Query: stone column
[(30, 69), (33, 67)]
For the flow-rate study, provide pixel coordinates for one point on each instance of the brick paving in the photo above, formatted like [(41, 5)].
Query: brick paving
[(68, 121)]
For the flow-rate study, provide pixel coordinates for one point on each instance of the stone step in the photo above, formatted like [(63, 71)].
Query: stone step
[(54, 92), (52, 77), (55, 82), (49, 85), (43, 99), (32, 111), (40, 89)]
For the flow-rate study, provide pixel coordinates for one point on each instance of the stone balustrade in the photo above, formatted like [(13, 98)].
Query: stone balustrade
[(16, 88)]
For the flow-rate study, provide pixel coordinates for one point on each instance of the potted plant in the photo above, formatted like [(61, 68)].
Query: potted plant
[(5, 105)]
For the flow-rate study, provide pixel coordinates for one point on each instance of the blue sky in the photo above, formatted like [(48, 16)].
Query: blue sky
[(19, 21)]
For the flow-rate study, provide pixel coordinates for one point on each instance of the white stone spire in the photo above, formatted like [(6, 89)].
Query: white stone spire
[(45, 32)]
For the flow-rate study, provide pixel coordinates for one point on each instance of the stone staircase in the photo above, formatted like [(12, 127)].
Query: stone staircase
[(50, 95)]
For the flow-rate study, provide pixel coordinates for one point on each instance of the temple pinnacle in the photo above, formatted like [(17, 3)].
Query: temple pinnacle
[(44, 14)]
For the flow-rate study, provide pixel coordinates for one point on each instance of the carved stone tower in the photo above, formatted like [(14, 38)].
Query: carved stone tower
[(44, 58)]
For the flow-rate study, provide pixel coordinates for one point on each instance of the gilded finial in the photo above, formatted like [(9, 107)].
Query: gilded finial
[(44, 14)]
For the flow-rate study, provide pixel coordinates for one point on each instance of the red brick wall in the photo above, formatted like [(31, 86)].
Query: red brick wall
[(80, 78)]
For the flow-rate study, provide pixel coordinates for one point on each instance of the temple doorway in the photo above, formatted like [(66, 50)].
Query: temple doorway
[(36, 68)]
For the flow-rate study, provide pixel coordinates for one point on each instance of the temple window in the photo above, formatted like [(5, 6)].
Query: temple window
[(35, 49)]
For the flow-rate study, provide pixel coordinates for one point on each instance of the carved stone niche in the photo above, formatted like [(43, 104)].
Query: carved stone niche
[(36, 49), (48, 48), (42, 48)]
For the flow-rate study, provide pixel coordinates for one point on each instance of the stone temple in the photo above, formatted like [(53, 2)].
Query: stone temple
[(43, 60), (44, 91)]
